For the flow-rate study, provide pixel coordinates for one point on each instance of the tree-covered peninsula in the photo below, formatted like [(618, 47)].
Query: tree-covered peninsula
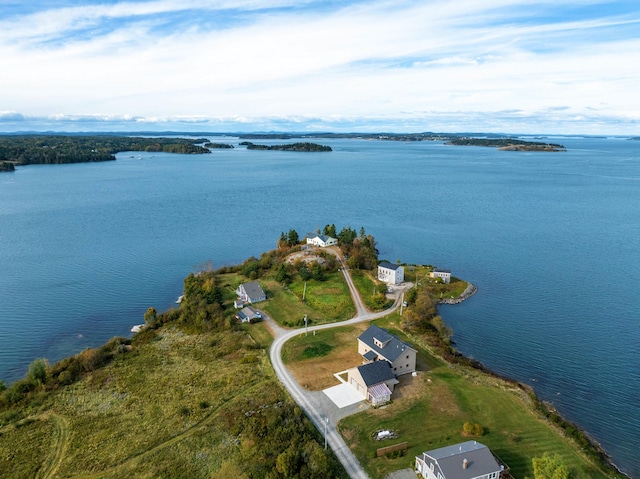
[(507, 144), (7, 166), (59, 149), (304, 146)]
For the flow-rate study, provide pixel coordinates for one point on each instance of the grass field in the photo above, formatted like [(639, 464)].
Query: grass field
[(314, 359), (366, 285), (172, 407), (429, 410), (325, 301)]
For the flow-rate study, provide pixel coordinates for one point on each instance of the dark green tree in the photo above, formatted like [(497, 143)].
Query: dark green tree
[(293, 238), (305, 274), (330, 230), (318, 274), (281, 275)]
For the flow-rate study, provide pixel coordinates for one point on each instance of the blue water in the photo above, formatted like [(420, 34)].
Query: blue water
[(551, 240)]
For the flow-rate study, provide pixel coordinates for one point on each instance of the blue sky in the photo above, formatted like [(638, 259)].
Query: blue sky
[(245, 65)]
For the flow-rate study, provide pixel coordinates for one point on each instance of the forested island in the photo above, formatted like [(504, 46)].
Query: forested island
[(507, 144), (60, 149), (312, 147), (219, 146)]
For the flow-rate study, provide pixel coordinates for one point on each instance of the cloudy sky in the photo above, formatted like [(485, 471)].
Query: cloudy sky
[(519, 66)]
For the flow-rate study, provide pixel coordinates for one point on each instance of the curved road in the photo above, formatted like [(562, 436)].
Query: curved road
[(311, 407)]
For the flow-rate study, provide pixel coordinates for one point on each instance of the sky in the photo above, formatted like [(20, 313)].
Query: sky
[(515, 66)]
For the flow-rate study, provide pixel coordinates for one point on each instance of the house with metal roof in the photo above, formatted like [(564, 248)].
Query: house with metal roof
[(377, 344), (375, 381), (248, 314), (322, 241), (467, 460), (251, 292), (390, 273)]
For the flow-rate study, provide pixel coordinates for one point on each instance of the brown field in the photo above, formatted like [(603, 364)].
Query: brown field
[(317, 373)]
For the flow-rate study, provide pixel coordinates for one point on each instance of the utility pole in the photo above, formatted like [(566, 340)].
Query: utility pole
[(304, 291), (306, 329), (326, 423)]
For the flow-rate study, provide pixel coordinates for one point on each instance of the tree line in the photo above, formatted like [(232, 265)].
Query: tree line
[(304, 146), (59, 149)]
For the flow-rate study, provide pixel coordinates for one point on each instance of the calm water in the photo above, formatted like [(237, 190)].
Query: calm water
[(551, 240)]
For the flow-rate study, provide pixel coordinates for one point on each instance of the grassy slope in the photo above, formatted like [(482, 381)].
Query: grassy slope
[(167, 409), (430, 410)]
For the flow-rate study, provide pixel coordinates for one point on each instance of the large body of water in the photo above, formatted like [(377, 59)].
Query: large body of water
[(550, 239)]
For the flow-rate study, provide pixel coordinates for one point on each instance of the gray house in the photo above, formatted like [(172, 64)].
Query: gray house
[(375, 381), (248, 315), (251, 292), (376, 344), (467, 460)]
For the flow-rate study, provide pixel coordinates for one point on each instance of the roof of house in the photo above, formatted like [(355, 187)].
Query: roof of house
[(253, 289), (249, 311), (370, 355), (391, 349), (386, 264), (439, 270), (376, 372), (324, 238), (450, 460)]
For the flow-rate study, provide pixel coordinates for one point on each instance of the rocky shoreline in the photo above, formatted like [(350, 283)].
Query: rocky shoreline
[(468, 292)]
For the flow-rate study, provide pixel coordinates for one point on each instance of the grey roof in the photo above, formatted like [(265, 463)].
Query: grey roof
[(249, 311), (449, 460), (370, 355), (386, 264), (376, 372), (324, 238), (253, 290), (440, 270), (392, 348)]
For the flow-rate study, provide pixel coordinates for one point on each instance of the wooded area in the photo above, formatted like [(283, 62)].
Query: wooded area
[(47, 150)]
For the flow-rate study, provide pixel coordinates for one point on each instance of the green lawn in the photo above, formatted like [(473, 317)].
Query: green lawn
[(325, 301), (432, 409), (367, 286)]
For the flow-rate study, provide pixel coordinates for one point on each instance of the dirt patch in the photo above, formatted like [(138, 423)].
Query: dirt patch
[(316, 374), (410, 387), (304, 256)]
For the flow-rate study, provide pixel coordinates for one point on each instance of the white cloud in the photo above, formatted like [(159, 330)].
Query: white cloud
[(377, 60)]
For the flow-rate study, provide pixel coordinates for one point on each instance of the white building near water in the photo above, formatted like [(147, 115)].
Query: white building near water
[(390, 273), (445, 274), (322, 241)]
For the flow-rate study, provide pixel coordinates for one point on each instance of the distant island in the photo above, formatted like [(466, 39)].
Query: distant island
[(18, 150), (218, 145), (507, 144), (313, 147)]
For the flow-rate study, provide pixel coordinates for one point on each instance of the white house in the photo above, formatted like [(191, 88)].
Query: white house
[(445, 274), (322, 241), (467, 460), (390, 273), (251, 292)]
